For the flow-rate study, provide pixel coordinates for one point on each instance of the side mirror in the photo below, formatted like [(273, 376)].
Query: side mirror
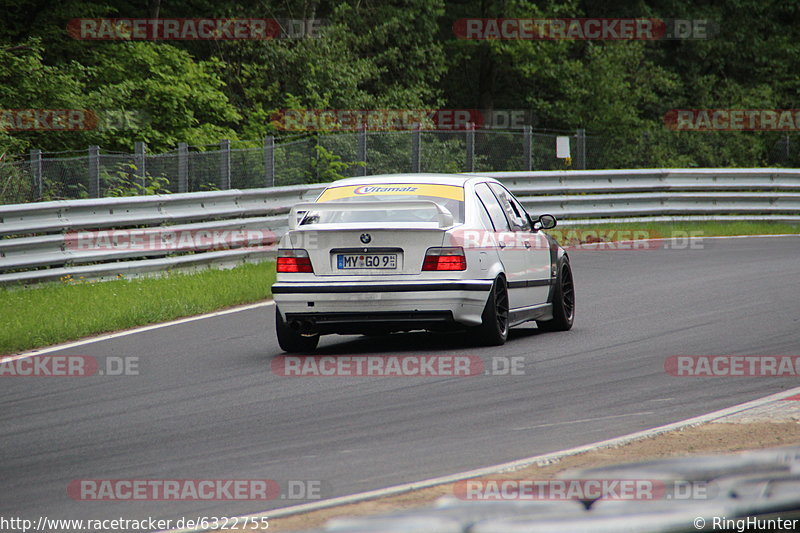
[(548, 221), (544, 222)]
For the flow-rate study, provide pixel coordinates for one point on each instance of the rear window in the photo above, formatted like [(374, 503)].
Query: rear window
[(449, 196)]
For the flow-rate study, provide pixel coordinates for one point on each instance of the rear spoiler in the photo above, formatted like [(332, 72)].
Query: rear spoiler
[(299, 211)]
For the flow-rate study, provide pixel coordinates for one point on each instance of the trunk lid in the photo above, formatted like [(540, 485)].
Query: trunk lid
[(365, 250)]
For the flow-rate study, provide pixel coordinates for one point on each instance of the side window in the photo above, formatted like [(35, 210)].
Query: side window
[(496, 212), (512, 208), (484, 216)]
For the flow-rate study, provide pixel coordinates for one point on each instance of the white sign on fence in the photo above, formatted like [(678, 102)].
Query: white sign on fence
[(562, 147)]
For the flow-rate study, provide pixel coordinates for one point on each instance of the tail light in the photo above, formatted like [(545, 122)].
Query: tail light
[(296, 260), (445, 259)]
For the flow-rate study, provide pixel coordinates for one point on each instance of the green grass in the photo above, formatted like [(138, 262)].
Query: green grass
[(679, 229), (57, 312)]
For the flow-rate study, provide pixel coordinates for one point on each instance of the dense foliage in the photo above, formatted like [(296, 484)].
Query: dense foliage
[(404, 54)]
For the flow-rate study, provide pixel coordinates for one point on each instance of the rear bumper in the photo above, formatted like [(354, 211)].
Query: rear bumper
[(367, 306)]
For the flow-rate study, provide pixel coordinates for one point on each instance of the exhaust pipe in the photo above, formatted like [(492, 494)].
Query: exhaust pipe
[(302, 326)]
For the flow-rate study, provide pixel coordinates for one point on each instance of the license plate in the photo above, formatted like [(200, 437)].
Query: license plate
[(376, 261)]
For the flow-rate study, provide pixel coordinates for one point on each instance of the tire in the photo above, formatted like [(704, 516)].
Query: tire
[(493, 331), (292, 341), (563, 300)]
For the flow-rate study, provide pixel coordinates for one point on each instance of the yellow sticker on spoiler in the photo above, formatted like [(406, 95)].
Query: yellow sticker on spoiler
[(452, 192)]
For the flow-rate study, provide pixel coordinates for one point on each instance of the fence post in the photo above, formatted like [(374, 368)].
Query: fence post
[(580, 149), (183, 167), (316, 157), (362, 148), (269, 160), (416, 149), (527, 147), (788, 151), (94, 172), (140, 162), (225, 164), (470, 147), (36, 172)]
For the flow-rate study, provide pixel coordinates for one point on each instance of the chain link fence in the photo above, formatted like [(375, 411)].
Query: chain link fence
[(320, 157)]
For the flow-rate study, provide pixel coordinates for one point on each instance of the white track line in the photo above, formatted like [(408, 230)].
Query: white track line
[(510, 466), (142, 329)]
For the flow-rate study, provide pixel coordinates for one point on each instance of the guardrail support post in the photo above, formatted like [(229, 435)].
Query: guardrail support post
[(94, 172), (140, 162), (362, 149), (416, 150), (183, 167), (527, 146), (225, 164), (36, 172), (269, 161), (470, 147), (580, 149)]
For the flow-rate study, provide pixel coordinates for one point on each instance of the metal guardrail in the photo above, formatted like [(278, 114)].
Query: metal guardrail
[(34, 245), (659, 194), (39, 243)]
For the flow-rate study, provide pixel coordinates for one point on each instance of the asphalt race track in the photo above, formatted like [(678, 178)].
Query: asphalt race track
[(206, 404)]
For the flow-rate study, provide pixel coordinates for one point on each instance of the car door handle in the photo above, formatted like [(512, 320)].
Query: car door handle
[(527, 244), (501, 244)]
